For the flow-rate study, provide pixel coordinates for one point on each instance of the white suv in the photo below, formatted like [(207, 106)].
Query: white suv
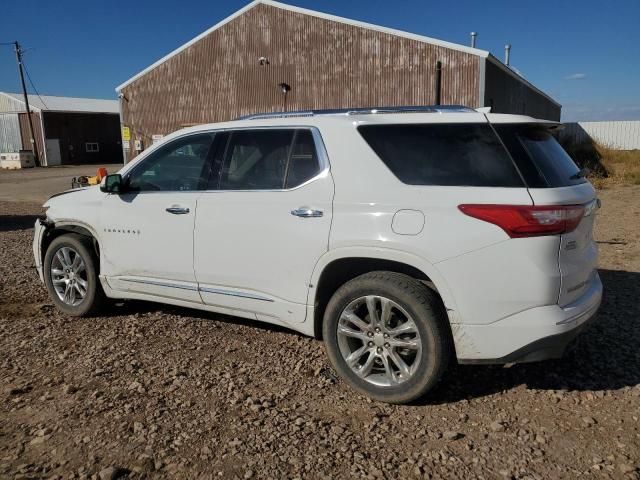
[(402, 237)]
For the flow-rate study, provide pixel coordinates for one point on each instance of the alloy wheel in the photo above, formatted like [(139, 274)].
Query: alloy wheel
[(379, 340), (69, 276)]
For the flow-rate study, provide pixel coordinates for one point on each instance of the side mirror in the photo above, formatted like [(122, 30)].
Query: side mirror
[(111, 183)]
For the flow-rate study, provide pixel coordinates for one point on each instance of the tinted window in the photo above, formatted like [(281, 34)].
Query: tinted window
[(539, 156), (303, 164), (256, 160), (443, 154), (181, 165), (269, 159)]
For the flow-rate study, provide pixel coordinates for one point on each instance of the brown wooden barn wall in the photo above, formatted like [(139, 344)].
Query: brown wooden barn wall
[(37, 133), (506, 94), (327, 64)]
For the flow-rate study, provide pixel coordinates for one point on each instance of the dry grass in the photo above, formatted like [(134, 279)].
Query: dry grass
[(623, 166), (608, 166)]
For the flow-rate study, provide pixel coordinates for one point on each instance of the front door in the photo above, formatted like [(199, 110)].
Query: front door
[(264, 223), (147, 231)]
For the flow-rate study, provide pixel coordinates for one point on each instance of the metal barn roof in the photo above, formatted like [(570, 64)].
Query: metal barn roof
[(50, 103)]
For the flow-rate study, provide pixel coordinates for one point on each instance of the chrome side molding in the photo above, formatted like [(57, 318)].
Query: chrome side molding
[(195, 288), (234, 294), (161, 284)]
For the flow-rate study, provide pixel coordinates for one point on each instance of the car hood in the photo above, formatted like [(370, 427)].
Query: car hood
[(73, 204)]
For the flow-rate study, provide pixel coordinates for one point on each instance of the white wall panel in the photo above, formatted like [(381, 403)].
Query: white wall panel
[(618, 135)]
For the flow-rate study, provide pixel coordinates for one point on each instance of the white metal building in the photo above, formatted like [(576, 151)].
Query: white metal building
[(67, 130)]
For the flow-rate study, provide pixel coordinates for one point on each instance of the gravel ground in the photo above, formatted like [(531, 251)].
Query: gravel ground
[(155, 391)]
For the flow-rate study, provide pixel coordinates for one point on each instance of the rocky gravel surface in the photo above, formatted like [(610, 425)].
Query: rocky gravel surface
[(149, 391)]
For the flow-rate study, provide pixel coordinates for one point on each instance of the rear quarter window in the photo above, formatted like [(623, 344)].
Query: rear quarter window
[(540, 158), (443, 154)]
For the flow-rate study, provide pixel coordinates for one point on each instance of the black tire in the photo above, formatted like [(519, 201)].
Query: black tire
[(429, 316), (94, 298)]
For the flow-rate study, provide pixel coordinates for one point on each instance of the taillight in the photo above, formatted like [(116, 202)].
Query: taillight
[(528, 221)]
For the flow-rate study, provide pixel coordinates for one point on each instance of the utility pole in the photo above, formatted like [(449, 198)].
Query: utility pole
[(26, 102)]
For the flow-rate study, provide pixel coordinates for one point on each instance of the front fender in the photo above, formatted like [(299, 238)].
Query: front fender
[(43, 229)]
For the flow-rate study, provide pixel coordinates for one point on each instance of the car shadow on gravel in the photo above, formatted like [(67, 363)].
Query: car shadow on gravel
[(604, 357), (10, 223), (140, 307)]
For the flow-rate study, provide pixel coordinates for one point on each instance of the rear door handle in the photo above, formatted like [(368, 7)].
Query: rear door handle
[(177, 210), (306, 212)]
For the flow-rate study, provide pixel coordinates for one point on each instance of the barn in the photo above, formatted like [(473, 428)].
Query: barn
[(269, 56), (66, 130)]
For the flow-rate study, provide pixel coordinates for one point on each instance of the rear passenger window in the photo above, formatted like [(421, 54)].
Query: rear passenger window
[(303, 164), (443, 154), (268, 159), (256, 160)]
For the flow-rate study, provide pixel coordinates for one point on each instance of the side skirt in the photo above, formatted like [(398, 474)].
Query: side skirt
[(119, 294)]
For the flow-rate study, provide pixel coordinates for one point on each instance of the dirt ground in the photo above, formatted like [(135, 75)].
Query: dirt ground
[(155, 391), (38, 184)]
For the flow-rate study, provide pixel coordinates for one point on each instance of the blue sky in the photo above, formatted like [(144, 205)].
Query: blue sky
[(585, 54)]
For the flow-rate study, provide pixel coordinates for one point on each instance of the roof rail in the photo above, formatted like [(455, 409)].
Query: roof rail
[(362, 111)]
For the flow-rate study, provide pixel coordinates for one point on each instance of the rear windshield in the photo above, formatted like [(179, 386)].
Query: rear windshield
[(443, 154), (540, 158)]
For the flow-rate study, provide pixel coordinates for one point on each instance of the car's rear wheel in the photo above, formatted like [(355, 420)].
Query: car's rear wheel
[(386, 334), (71, 275)]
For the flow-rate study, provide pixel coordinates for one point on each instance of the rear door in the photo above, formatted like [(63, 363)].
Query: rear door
[(554, 179), (264, 222)]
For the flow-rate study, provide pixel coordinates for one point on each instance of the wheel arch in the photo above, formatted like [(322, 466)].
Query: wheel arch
[(57, 229), (341, 265)]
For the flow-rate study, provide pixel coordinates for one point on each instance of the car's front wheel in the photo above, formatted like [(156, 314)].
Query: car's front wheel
[(386, 334), (71, 275)]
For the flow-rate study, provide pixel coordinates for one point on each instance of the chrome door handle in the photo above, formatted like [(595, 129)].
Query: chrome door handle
[(306, 212), (177, 210)]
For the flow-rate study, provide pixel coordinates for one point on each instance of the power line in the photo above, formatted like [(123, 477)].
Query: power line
[(32, 85)]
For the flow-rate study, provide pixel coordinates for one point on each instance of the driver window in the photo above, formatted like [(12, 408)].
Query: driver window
[(181, 165)]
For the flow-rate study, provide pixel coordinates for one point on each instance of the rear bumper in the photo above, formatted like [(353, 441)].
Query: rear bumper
[(536, 334)]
